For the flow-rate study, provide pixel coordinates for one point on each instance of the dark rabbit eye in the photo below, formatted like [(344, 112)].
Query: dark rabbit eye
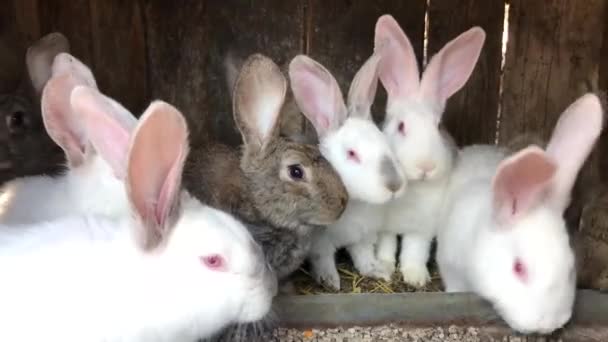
[(16, 120), (296, 172), (401, 127)]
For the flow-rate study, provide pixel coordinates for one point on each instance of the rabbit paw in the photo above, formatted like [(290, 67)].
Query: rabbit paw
[(328, 277), (415, 275), (377, 269)]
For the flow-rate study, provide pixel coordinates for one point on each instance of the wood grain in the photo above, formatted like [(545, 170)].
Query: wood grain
[(341, 36), (553, 48), (274, 28), (471, 113), (119, 51)]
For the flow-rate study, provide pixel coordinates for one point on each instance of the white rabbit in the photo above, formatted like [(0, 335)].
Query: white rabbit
[(503, 235), (174, 270), (93, 130), (425, 152), (361, 155)]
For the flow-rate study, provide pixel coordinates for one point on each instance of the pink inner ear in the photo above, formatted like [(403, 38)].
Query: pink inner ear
[(398, 69), (108, 134), (317, 94), (449, 70), (169, 191), (362, 90), (63, 125), (156, 159), (520, 183)]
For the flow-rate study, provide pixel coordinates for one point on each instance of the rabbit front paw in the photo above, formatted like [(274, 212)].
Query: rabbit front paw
[(377, 269), (327, 274), (415, 275)]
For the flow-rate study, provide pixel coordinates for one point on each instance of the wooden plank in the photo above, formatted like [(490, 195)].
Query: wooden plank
[(11, 58), (603, 84), (187, 46), (73, 19), (176, 44), (119, 51), (553, 48), (274, 28), (471, 114), (341, 35)]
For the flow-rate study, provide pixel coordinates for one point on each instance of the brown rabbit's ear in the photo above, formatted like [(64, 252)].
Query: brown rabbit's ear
[(259, 94), (39, 58), (159, 147)]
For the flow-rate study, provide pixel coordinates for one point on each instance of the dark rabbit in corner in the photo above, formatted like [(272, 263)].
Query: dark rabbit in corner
[(282, 189), (26, 148)]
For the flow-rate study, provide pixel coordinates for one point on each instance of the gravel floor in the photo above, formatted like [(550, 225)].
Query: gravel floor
[(392, 333)]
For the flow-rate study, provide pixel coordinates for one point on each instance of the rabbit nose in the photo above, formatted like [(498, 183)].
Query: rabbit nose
[(393, 180), (426, 166)]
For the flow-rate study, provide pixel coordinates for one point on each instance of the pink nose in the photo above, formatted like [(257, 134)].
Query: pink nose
[(426, 166)]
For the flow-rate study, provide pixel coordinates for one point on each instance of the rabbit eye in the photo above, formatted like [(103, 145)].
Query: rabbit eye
[(520, 270), (214, 262), (352, 155), (16, 120), (296, 172), (401, 127)]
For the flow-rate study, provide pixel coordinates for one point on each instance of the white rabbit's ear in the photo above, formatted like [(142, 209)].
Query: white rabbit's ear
[(39, 58), (62, 124), (521, 181), (398, 69), (317, 94), (452, 66), (363, 89), (108, 126), (159, 147), (64, 63), (574, 136), (259, 93)]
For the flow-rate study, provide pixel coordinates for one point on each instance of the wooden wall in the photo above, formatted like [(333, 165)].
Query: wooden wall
[(174, 50)]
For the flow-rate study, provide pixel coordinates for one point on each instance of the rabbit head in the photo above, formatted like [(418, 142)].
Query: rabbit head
[(348, 137), (415, 104), (524, 263), (291, 183), (204, 247), (27, 148)]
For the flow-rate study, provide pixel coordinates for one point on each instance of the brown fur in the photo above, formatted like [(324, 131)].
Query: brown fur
[(255, 184)]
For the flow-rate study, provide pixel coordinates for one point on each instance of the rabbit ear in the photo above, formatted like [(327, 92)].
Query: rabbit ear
[(520, 182), (574, 136), (62, 124), (64, 63), (317, 94), (363, 89), (452, 66), (259, 94), (398, 69), (159, 148), (39, 58), (108, 126)]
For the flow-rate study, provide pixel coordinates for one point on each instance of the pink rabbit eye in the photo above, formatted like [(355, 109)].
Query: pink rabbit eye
[(214, 262), (520, 270), (401, 127), (352, 155)]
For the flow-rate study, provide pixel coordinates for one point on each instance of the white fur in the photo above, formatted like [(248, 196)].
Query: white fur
[(89, 188), (140, 277), (342, 130), (93, 181), (473, 255), (505, 211), (425, 153), (84, 279)]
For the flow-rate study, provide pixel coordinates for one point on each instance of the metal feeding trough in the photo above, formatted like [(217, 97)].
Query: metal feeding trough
[(589, 321)]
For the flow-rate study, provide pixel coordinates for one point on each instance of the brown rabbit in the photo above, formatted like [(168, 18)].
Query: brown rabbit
[(26, 148), (283, 189)]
